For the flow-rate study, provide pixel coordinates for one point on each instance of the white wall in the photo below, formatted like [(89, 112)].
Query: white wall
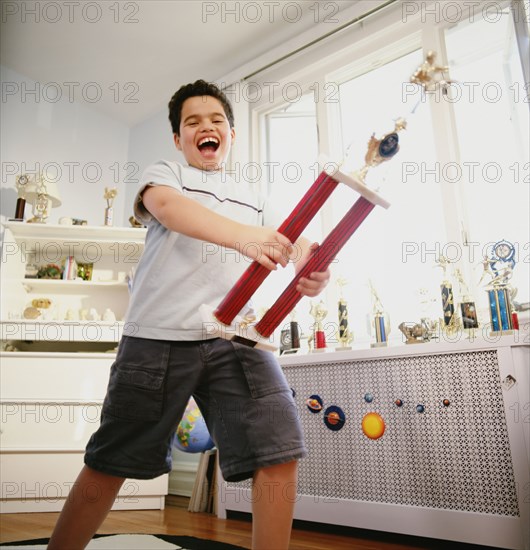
[(149, 141), (84, 150)]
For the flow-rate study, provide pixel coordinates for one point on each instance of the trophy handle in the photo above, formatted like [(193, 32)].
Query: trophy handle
[(292, 228), (319, 261)]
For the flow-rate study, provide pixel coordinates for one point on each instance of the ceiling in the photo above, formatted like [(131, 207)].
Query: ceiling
[(125, 58)]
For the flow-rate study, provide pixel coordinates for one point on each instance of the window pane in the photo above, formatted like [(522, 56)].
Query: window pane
[(396, 248), (292, 152), (493, 124)]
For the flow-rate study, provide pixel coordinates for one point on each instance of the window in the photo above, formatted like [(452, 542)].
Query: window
[(459, 182), (492, 117), (292, 147), (388, 250)]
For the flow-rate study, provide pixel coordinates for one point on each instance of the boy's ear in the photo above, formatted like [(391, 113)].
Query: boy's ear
[(176, 139), (233, 133)]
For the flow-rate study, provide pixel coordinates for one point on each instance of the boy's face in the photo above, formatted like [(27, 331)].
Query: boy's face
[(205, 134)]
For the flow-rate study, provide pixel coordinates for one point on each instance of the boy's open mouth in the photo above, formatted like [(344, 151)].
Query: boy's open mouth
[(208, 144)]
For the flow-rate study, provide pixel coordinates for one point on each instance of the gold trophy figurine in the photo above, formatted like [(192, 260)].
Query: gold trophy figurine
[(380, 150), (451, 321), (109, 196), (468, 309), (431, 77), (345, 336), (380, 321)]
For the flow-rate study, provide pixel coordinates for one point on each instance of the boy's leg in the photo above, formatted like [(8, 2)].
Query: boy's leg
[(274, 496), (87, 505)]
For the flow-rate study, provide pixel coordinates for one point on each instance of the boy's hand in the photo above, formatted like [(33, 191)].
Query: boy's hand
[(317, 281), (265, 245)]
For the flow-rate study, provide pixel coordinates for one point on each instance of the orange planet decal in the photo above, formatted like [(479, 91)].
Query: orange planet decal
[(373, 425)]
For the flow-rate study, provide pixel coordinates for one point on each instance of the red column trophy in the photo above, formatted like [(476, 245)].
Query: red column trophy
[(225, 321)]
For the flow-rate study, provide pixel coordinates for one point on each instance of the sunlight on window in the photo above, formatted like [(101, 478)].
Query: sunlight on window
[(292, 152), (395, 249), (492, 116)]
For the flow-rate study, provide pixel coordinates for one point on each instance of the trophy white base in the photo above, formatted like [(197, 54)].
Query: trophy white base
[(239, 331), (379, 344)]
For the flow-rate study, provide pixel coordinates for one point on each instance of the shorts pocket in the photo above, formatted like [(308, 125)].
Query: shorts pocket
[(137, 380), (263, 373)]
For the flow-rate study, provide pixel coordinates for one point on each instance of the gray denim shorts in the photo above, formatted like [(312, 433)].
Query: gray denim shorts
[(242, 393)]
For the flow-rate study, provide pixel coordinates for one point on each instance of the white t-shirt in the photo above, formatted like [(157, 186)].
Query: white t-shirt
[(177, 274)]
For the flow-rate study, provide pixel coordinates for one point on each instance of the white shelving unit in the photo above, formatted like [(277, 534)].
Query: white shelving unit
[(53, 385), (113, 252)]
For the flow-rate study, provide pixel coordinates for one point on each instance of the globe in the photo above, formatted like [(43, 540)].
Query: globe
[(192, 435)]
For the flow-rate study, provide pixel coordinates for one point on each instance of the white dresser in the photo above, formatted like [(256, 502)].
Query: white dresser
[(52, 386)]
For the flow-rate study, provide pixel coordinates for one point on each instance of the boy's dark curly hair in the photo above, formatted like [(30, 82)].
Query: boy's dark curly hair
[(197, 88)]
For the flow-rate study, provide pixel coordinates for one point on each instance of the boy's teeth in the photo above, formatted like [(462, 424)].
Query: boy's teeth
[(208, 140)]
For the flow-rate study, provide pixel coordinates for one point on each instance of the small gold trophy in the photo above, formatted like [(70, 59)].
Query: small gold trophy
[(381, 150), (468, 309), (448, 302), (318, 313), (381, 322), (345, 336), (431, 77), (109, 196)]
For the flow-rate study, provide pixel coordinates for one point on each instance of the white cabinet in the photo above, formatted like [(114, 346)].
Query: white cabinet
[(453, 461), (53, 385)]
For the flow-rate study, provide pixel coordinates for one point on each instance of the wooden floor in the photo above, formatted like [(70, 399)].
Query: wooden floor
[(176, 520)]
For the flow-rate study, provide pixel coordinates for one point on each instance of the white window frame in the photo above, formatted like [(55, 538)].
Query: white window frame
[(374, 42)]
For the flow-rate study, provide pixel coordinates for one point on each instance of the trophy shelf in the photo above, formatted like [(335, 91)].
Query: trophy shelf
[(44, 285), (57, 233), (53, 314)]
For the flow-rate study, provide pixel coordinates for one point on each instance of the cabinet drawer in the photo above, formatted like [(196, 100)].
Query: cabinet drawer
[(49, 477), (54, 377), (48, 425)]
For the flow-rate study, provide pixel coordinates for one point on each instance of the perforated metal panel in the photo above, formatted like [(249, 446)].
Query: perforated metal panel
[(454, 456)]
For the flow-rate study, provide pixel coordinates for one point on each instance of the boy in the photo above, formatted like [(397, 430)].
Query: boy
[(165, 357)]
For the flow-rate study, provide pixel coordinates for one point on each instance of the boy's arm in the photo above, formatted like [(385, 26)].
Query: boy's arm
[(183, 215), (317, 281)]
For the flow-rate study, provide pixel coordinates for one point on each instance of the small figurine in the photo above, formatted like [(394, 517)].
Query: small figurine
[(109, 196), (486, 266), (93, 315), (109, 315), (414, 333), (430, 76)]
